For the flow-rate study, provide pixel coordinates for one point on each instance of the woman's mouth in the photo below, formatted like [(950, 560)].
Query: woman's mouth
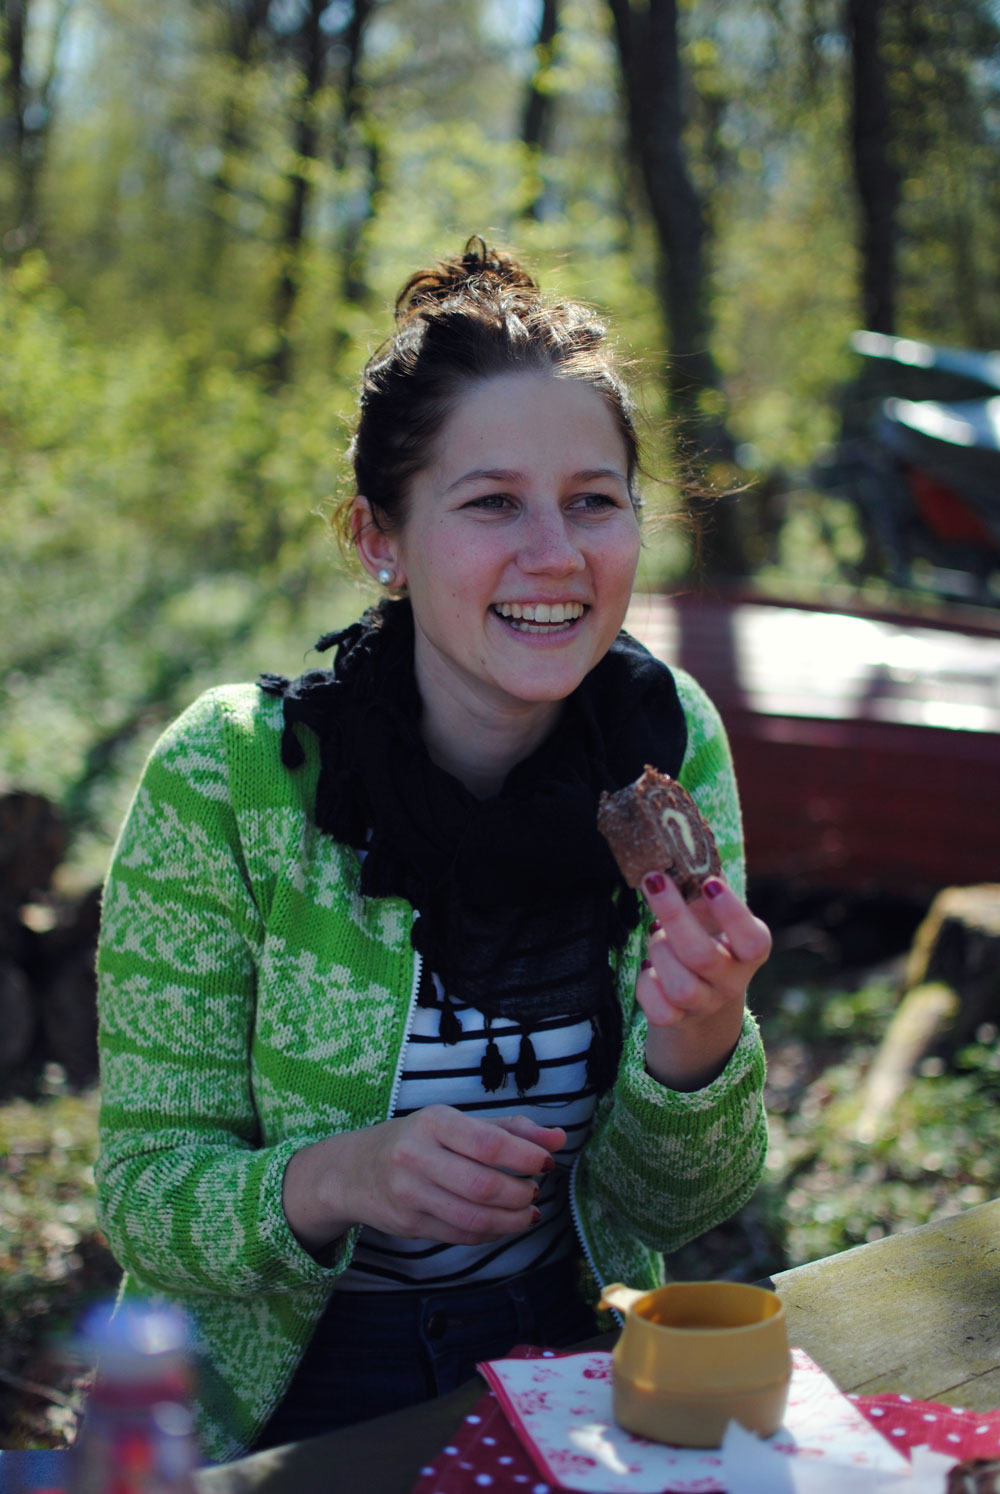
[(539, 617)]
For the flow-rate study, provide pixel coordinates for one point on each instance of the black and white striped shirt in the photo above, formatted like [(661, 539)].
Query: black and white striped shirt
[(435, 1073)]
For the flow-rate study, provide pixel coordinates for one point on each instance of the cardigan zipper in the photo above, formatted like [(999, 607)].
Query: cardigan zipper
[(400, 1062), (584, 1245)]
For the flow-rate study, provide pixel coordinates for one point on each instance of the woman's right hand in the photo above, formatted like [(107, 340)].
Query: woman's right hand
[(438, 1174)]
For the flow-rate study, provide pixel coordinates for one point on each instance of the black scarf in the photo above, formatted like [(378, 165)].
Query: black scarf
[(519, 897)]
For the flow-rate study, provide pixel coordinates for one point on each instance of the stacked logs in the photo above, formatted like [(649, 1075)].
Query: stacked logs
[(48, 1006)]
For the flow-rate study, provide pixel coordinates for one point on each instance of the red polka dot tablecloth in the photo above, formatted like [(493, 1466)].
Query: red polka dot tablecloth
[(945, 1429), (486, 1453)]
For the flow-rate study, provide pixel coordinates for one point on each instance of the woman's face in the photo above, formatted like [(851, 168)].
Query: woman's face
[(520, 544)]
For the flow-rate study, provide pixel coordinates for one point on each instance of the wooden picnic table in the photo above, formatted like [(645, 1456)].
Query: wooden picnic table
[(917, 1312)]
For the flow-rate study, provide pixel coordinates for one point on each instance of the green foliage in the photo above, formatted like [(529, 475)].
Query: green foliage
[(943, 77), (824, 1190), (827, 1190), (180, 358), (782, 327), (159, 531), (53, 1261)]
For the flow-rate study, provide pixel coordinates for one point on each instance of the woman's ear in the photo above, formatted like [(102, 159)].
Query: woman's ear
[(376, 549)]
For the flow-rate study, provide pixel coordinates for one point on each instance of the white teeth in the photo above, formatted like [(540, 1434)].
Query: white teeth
[(544, 613)]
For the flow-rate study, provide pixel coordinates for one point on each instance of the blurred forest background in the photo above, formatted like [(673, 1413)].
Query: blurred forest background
[(206, 208)]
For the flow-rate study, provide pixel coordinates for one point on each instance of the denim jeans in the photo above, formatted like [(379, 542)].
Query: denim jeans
[(374, 1352)]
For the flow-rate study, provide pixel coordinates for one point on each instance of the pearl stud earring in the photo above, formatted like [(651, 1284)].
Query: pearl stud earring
[(386, 576)]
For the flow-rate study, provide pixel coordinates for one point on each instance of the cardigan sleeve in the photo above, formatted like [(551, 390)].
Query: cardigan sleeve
[(189, 1198), (663, 1165)]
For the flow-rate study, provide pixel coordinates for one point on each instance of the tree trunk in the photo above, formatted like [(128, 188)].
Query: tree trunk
[(13, 25), (649, 50), (14, 22), (356, 131), (245, 30), (30, 111), (536, 124), (310, 47), (876, 179)]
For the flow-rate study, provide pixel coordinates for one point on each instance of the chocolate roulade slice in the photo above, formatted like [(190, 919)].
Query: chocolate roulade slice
[(654, 825)]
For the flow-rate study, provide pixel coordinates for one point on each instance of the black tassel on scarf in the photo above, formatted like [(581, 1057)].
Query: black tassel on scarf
[(492, 1069), (526, 1069), (449, 1027)]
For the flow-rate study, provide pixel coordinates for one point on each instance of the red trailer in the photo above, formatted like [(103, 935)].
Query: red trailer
[(867, 744)]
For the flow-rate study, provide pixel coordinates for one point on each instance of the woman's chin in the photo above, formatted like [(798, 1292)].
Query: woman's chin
[(542, 684)]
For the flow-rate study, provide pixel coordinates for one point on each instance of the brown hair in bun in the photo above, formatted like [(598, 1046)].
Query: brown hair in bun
[(463, 321), (478, 270)]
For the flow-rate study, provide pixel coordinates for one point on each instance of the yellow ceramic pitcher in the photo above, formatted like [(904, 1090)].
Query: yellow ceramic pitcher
[(695, 1355)]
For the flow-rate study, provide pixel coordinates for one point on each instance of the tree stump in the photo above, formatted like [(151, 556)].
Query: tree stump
[(951, 989), (68, 990), (32, 844), (958, 945), (17, 1016), (48, 1000)]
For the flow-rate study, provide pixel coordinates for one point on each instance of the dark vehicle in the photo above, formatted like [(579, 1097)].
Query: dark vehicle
[(925, 472)]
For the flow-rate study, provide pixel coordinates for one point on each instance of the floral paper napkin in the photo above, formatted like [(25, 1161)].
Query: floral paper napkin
[(829, 1442), (560, 1408)]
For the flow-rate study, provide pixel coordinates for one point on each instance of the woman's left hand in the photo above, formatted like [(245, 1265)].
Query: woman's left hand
[(692, 985)]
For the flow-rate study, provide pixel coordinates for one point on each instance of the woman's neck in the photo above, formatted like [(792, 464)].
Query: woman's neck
[(478, 741), (482, 760)]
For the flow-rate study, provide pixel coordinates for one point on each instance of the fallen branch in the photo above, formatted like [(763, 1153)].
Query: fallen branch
[(951, 989), (43, 1392), (922, 1017)]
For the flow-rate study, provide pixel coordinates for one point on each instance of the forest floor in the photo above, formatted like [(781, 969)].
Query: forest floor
[(823, 1003)]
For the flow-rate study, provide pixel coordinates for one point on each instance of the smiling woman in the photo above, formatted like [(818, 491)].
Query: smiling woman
[(518, 551), (394, 1063)]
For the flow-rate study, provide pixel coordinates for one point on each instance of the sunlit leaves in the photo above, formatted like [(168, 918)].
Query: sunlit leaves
[(147, 456)]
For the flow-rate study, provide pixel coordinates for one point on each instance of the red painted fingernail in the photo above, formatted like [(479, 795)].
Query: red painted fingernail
[(536, 1214), (536, 1193), (549, 1165), (654, 927), (654, 883), (646, 965), (712, 887)]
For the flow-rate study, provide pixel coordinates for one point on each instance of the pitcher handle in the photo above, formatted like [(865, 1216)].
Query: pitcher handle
[(620, 1297)]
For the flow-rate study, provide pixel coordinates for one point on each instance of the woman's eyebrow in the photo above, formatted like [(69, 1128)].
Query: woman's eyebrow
[(506, 474), (486, 474), (597, 474)]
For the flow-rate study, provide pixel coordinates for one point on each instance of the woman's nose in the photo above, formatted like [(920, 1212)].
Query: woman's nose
[(548, 546)]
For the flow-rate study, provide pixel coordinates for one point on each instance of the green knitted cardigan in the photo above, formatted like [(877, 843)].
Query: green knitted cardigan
[(252, 1001)]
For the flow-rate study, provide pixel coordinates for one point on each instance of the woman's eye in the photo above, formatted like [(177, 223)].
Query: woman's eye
[(491, 502), (595, 502)]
